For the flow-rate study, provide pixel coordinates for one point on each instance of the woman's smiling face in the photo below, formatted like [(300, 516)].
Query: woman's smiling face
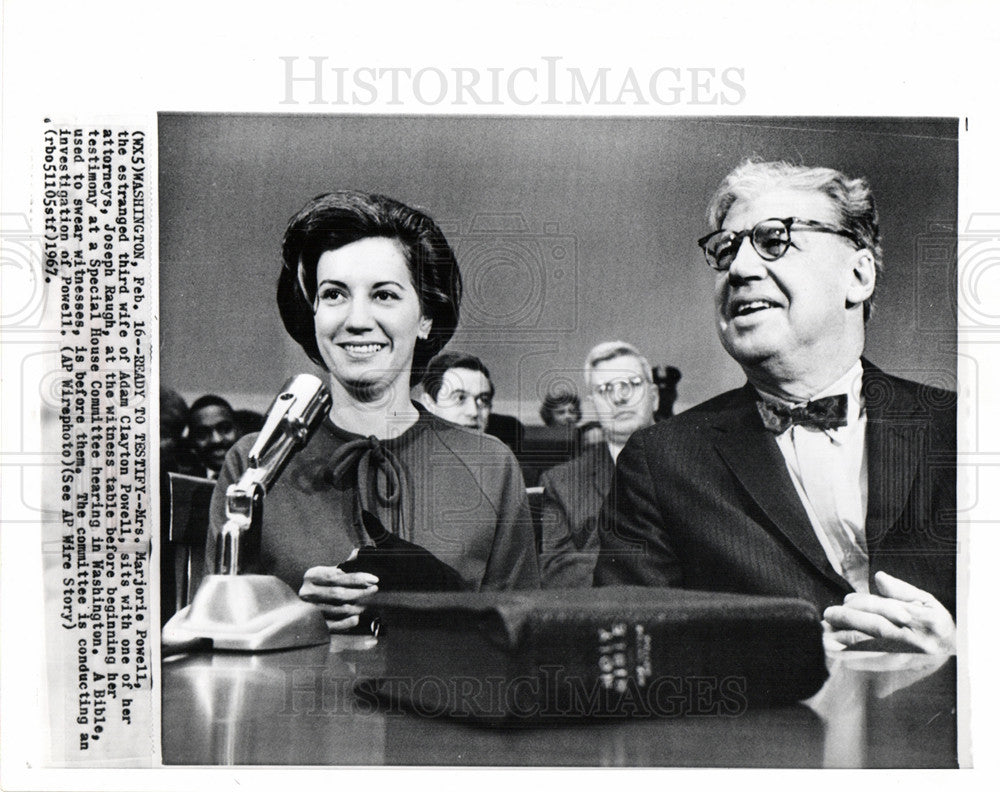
[(368, 315)]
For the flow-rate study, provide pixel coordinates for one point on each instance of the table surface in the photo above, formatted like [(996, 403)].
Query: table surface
[(299, 707)]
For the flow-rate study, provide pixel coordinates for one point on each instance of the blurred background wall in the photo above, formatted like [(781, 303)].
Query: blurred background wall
[(569, 231)]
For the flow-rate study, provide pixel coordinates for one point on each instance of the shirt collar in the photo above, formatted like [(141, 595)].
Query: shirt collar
[(849, 383)]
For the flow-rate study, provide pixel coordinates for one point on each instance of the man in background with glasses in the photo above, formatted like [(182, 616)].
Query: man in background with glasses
[(823, 478), (620, 384)]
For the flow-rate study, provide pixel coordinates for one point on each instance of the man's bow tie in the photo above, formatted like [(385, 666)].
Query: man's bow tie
[(830, 412)]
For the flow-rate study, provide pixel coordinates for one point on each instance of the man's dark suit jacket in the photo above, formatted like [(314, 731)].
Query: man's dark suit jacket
[(705, 501), (574, 492)]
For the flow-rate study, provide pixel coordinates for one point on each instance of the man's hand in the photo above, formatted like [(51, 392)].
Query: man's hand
[(337, 592), (902, 616)]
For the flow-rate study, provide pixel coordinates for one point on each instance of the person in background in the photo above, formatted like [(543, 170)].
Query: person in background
[(173, 420), (823, 478), (625, 398), (211, 432), (560, 409), (457, 388), (563, 409), (175, 454), (370, 289)]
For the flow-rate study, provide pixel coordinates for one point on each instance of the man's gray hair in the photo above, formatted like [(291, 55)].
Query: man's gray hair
[(852, 198), (609, 350)]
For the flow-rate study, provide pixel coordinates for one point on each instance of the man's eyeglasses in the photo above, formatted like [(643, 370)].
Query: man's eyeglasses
[(771, 239), (621, 390)]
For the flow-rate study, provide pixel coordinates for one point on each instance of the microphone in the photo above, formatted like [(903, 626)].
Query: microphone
[(233, 611), (292, 418)]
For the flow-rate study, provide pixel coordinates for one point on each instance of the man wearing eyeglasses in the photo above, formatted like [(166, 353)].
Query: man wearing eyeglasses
[(824, 477), (624, 397)]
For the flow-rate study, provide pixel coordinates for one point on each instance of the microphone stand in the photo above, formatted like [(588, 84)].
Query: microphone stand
[(254, 613)]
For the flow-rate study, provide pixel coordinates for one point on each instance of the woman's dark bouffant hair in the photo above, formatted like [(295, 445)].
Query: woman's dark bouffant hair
[(336, 219)]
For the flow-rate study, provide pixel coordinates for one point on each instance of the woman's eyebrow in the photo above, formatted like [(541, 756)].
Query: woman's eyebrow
[(379, 285)]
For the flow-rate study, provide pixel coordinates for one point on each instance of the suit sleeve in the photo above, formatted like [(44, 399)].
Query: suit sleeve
[(564, 565), (634, 545), (513, 562)]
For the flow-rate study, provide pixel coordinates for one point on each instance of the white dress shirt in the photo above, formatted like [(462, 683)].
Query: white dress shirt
[(829, 468)]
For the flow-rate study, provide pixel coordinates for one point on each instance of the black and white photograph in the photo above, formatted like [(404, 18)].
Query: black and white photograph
[(664, 575), (426, 393)]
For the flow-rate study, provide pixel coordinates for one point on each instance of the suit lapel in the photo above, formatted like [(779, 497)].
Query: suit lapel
[(752, 454), (893, 447)]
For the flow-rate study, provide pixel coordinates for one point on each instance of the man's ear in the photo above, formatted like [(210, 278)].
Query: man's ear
[(424, 327), (862, 278)]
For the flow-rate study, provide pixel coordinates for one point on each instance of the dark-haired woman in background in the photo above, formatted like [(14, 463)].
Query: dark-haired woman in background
[(370, 289), (560, 409)]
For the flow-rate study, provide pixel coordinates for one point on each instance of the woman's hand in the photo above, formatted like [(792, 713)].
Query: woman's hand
[(336, 593)]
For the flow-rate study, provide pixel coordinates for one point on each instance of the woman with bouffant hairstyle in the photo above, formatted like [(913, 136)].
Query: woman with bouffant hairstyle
[(370, 289), (334, 220)]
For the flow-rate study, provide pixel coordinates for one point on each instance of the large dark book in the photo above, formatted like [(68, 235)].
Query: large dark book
[(528, 657)]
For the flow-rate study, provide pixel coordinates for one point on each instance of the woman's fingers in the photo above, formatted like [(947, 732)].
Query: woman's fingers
[(335, 592), (311, 592), (340, 625), (335, 611), (335, 576)]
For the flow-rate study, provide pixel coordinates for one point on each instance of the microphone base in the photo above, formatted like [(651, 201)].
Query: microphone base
[(246, 613)]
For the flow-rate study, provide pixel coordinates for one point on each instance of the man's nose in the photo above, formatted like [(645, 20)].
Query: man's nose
[(748, 265), (620, 396)]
